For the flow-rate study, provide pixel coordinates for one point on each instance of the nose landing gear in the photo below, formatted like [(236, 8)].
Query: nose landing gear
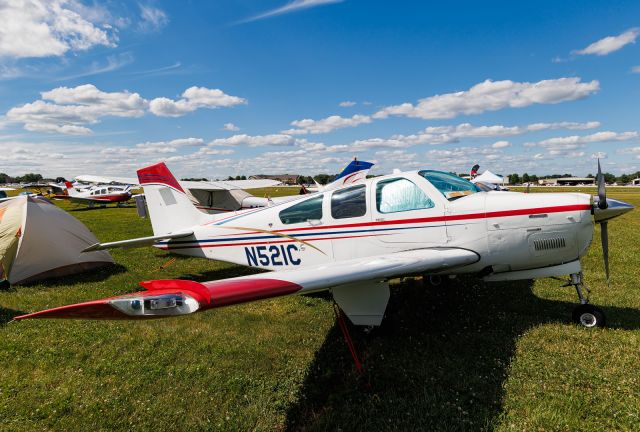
[(585, 314)]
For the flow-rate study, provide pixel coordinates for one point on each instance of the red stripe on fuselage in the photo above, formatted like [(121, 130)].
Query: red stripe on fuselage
[(263, 242), (469, 216)]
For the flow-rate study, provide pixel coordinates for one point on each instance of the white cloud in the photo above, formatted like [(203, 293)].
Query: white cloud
[(491, 96), (74, 107), (326, 125), (599, 155), (230, 127), (635, 69), (575, 140), (500, 144), (347, 104), (68, 110), (449, 134), (44, 28), (192, 99), (610, 44), (255, 140), (292, 6), (152, 19)]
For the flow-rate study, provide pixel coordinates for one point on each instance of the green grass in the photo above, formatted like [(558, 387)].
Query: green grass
[(462, 356)]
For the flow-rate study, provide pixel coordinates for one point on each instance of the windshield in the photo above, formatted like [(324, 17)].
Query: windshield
[(450, 185)]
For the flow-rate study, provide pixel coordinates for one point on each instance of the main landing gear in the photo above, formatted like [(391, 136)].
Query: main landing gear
[(585, 314)]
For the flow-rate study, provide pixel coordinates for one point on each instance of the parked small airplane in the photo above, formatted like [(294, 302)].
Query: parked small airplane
[(100, 194), (352, 240), (354, 173)]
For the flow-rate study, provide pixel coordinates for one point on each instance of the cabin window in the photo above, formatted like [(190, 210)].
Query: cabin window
[(349, 203), (400, 194), (310, 209), (450, 185)]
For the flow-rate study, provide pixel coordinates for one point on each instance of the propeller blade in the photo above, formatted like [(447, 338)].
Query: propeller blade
[(602, 194), (604, 236)]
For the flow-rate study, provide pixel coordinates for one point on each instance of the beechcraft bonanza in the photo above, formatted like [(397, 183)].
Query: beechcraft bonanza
[(352, 240)]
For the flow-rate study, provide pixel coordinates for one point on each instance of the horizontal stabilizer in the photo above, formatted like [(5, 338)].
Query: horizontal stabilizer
[(137, 242)]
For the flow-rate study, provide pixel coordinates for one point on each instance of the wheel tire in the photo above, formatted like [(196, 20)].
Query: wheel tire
[(589, 316)]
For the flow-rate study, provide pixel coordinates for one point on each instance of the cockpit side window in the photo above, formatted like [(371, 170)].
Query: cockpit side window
[(400, 194), (310, 209), (349, 203), (450, 185)]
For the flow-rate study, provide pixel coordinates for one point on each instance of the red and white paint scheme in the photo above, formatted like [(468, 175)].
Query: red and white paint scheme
[(353, 239), (100, 194)]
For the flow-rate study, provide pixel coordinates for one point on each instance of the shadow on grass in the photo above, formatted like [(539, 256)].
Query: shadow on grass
[(7, 315), (79, 208), (92, 275), (438, 362)]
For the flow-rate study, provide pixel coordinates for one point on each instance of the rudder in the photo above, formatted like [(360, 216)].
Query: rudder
[(170, 210)]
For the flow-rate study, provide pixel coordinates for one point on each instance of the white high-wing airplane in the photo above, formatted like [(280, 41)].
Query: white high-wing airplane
[(352, 240)]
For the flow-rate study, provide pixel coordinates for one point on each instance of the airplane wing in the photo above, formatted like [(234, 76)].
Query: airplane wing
[(359, 286), (137, 242), (107, 180)]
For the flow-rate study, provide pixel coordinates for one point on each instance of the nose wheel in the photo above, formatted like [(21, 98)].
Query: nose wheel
[(589, 316), (584, 314)]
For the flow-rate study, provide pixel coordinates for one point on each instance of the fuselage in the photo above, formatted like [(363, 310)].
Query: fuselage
[(413, 210)]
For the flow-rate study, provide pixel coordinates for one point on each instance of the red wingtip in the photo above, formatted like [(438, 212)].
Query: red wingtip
[(98, 309), (68, 185), (158, 174)]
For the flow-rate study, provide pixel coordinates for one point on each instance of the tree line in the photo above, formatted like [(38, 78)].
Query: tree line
[(608, 177)]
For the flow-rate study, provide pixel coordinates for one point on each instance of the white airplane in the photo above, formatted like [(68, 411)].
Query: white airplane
[(354, 239), (100, 194), (230, 195)]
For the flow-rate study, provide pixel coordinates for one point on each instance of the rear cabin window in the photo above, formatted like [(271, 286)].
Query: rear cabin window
[(400, 194), (349, 203), (310, 209)]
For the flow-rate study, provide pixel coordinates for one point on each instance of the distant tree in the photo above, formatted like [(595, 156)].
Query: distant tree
[(533, 178), (590, 175), (323, 179), (624, 179), (31, 178), (525, 178), (230, 178), (514, 178), (609, 178), (4, 178), (243, 177)]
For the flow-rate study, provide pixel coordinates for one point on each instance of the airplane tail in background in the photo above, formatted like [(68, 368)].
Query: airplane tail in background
[(355, 172), (170, 209), (71, 191)]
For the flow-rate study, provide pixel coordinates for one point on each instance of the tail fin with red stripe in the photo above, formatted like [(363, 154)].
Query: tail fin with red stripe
[(170, 209)]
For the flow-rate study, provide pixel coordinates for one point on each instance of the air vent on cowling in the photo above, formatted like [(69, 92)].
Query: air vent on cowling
[(549, 243)]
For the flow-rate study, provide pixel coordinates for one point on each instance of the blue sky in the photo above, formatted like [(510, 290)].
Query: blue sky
[(243, 87)]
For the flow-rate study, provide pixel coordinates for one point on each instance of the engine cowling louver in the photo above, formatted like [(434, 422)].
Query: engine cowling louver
[(549, 243)]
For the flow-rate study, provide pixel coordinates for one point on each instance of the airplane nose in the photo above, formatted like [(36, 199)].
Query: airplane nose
[(614, 209)]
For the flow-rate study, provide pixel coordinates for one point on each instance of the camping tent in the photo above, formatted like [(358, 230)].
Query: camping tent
[(488, 177), (38, 240)]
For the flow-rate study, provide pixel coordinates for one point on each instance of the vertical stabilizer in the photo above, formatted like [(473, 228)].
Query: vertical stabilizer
[(71, 191), (170, 210), (353, 173)]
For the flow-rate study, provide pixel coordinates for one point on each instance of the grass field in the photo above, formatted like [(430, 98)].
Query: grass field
[(462, 356)]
